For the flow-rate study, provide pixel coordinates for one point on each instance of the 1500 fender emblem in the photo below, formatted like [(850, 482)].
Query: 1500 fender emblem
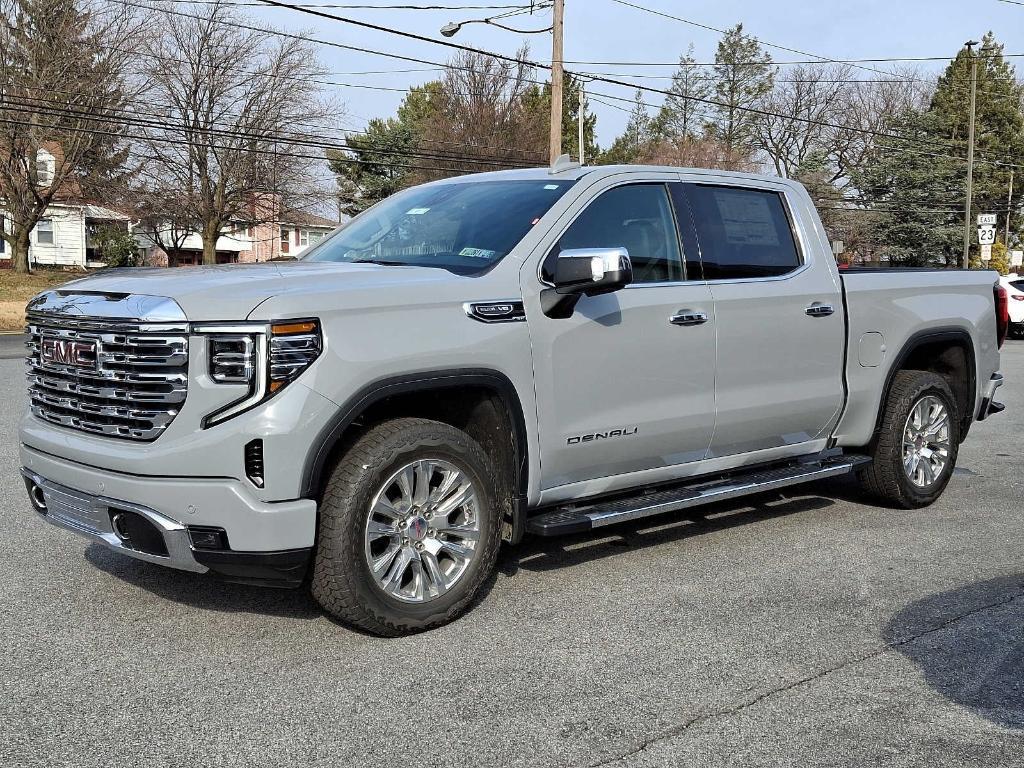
[(589, 438)]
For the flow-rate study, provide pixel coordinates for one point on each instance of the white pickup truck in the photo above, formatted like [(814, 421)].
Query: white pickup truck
[(538, 351)]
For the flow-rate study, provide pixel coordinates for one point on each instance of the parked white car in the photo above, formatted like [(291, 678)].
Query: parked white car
[(1014, 285)]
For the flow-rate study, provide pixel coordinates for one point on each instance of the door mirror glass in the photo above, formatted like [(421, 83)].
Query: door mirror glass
[(592, 271)]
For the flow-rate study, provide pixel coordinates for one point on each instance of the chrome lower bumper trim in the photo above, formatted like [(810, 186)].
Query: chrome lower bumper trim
[(89, 516), (988, 402)]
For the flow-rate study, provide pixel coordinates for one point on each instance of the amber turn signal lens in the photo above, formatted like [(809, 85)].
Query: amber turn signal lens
[(282, 329)]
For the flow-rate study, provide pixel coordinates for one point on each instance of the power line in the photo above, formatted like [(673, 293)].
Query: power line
[(539, 65), (205, 132), (797, 51)]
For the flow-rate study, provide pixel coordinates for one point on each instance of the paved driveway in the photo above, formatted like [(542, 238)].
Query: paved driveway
[(810, 629)]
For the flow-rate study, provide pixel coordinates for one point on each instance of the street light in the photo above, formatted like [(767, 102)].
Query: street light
[(451, 28), (558, 15)]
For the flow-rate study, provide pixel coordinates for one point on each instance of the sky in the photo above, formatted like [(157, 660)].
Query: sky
[(602, 30)]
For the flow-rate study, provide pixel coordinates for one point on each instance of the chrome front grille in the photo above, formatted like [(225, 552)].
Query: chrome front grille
[(129, 381)]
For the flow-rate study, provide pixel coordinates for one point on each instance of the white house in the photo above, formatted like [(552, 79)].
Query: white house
[(64, 237), (243, 242)]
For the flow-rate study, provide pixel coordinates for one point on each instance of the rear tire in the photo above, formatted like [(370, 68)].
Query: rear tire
[(916, 449), (416, 499)]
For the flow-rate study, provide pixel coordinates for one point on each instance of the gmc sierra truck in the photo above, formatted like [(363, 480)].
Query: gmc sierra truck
[(538, 352)]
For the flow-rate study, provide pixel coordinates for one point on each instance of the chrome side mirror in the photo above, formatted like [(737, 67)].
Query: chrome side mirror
[(592, 271), (585, 272)]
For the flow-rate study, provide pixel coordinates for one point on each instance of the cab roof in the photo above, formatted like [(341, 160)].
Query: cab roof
[(575, 172)]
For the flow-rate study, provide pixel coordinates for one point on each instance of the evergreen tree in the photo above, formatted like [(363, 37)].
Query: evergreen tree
[(999, 124), (636, 136), (62, 96), (913, 194), (538, 102), (682, 114), (743, 75), (378, 163)]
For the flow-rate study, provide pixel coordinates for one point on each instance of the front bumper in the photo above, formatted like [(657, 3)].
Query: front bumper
[(266, 542)]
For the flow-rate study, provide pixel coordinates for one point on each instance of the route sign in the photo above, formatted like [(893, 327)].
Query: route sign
[(986, 235), (986, 218)]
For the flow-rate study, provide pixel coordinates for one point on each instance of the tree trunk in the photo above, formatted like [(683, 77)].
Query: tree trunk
[(19, 250), (210, 234)]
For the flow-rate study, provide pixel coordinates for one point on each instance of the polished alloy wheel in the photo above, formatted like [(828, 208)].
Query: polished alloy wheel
[(422, 529), (926, 441)]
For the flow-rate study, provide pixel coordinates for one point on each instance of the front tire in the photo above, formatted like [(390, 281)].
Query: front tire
[(916, 450), (409, 528)]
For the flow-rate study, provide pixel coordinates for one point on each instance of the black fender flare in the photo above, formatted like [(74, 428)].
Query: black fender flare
[(315, 464), (930, 336)]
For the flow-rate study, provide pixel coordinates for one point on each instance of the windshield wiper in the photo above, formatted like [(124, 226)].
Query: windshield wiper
[(384, 262)]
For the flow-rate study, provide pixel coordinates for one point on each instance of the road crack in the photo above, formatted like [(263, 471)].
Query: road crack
[(704, 717)]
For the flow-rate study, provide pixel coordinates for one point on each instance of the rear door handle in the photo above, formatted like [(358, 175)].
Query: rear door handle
[(688, 317), (819, 310)]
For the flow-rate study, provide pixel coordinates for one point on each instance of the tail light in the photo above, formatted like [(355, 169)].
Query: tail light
[(1002, 314)]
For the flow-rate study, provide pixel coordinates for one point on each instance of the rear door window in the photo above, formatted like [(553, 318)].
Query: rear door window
[(743, 233)]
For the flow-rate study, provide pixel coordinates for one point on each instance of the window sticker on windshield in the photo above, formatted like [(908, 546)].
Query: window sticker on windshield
[(477, 253), (550, 186), (416, 211)]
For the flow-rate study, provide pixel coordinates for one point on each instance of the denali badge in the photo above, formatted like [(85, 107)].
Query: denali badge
[(625, 432), (80, 354)]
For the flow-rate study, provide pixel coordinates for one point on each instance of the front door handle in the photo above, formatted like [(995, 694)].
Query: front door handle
[(820, 310), (688, 317)]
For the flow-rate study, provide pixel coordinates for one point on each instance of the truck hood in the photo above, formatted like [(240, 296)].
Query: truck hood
[(233, 291)]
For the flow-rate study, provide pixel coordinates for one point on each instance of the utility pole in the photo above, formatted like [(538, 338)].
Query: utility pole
[(557, 75), (583, 152), (1009, 208), (970, 153)]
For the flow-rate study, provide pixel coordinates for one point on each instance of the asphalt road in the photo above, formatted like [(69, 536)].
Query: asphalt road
[(811, 629), (12, 346)]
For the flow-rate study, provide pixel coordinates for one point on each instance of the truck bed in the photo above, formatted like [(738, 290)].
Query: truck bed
[(888, 309)]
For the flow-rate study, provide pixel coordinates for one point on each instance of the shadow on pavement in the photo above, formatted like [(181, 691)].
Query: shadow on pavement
[(969, 643), (201, 590), (544, 554), (535, 554)]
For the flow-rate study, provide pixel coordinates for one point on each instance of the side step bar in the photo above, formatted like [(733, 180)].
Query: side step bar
[(576, 518)]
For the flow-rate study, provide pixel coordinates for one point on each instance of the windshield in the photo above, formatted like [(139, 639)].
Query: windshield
[(464, 227)]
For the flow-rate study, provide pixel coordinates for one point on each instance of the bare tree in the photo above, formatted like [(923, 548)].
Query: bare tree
[(803, 106), (705, 151), (239, 139), (865, 109), (484, 107), (62, 95)]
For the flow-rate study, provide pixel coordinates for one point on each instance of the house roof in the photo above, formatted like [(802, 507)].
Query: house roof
[(304, 219)]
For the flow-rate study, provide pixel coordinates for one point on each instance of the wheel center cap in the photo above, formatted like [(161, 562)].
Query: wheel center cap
[(919, 442), (417, 528)]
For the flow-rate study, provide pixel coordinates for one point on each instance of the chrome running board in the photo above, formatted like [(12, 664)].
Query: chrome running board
[(575, 518)]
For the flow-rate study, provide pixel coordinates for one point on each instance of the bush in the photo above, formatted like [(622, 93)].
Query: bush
[(117, 247)]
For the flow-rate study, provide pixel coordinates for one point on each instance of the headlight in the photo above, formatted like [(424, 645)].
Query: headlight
[(264, 358)]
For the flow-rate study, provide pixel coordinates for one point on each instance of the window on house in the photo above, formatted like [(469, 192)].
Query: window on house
[(315, 237), (3, 231), (304, 237), (284, 240), (44, 168), (44, 232)]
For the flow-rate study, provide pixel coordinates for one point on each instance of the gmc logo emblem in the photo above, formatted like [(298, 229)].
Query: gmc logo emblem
[(80, 354)]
